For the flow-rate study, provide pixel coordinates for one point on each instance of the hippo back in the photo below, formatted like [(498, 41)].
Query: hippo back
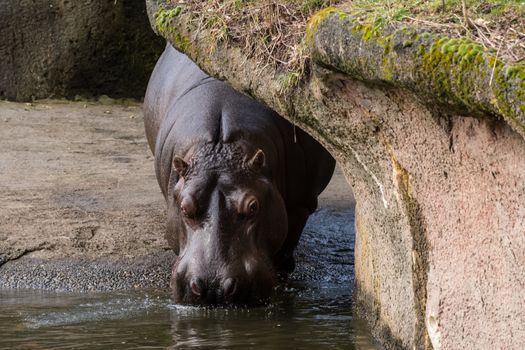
[(184, 107), (174, 73)]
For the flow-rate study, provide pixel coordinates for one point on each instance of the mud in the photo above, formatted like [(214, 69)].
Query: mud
[(80, 206)]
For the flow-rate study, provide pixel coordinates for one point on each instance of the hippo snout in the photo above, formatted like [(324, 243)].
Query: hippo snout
[(213, 293), (229, 289), (202, 291)]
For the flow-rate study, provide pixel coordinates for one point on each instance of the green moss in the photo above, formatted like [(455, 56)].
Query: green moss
[(163, 18), (454, 71), (316, 18), (288, 81), (454, 67), (164, 26), (505, 100)]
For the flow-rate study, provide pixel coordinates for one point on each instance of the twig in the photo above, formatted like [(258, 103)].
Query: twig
[(464, 10), (482, 36), (494, 66), (516, 32)]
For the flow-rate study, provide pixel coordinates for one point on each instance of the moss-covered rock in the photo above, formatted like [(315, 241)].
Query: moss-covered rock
[(455, 72)]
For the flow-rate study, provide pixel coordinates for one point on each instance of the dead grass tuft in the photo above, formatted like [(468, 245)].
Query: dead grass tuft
[(269, 31), (272, 32), (498, 25)]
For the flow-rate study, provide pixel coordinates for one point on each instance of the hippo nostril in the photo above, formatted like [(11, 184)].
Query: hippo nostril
[(229, 287), (197, 286)]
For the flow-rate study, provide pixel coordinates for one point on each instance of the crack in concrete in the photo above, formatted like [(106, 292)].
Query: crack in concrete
[(374, 177)]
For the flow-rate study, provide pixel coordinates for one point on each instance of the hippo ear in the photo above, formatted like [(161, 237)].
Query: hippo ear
[(180, 166), (258, 160)]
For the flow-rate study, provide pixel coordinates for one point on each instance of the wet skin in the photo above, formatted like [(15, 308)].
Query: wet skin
[(238, 180)]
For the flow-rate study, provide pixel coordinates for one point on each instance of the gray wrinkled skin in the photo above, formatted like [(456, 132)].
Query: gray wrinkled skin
[(238, 188)]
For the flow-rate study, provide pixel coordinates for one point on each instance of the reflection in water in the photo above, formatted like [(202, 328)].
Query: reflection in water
[(293, 321), (313, 311)]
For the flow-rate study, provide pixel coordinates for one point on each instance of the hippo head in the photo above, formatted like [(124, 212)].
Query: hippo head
[(228, 221)]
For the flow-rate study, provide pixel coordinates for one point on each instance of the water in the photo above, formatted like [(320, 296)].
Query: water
[(312, 311)]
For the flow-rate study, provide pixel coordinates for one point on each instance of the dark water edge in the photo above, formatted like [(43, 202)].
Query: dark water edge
[(312, 311)]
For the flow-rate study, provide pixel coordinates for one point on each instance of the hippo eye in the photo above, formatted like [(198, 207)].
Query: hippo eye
[(187, 207), (252, 208)]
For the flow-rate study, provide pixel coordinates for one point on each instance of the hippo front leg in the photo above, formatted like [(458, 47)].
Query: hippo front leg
[(285, 262)]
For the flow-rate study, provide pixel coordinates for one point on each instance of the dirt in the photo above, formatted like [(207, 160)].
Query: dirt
[(81, 208), (77, 179)]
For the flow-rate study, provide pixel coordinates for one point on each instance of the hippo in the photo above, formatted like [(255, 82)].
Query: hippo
[(238, 179)]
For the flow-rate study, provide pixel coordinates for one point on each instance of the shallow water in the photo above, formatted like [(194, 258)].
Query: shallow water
[(312, 311)]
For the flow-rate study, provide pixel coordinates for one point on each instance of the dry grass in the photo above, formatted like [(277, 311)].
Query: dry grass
[(273, 31), (498, 25), (270, 31)]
